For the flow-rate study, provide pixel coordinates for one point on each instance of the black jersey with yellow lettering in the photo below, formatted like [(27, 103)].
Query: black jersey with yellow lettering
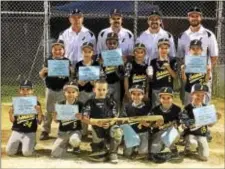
[(132, 110), (26, 123), (55, 83), (136, 73), (170, 115), (194, 78), (161, 76), (100, 108), (188, 111), (88, 87), (70, 125), (112, 73)]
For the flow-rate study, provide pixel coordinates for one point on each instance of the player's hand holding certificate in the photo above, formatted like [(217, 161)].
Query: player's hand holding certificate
[(66, 112), (112, 57), (195, 64), (58, 68), (24, 105), (205, 115), (89, 73)]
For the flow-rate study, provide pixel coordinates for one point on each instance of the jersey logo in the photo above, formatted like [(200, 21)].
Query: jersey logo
[(83, 38)]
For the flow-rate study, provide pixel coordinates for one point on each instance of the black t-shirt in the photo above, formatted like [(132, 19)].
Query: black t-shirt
[(194, 78), (188, 110), (136, 73), (88, 86), (113, 73), (70, 125), (161, 76), (171, 115), (100, 108), (55, 83), (26, 123), (131, 110)]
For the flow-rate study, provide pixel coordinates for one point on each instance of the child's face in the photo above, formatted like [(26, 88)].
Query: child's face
[(166, 100), (25, 91), (57, 51), (139, 54), (163, 50), (137, 96), (112, 44), (196, 50), (101, 90), (87, 53), (198, 97), (71, 93)]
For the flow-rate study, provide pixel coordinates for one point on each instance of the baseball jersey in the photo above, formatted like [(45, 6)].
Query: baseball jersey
[(26, 123), (151, 43), (136, 73), (100, 108), (132, 110), (88, 86), (70, 125), (126, 40), (161, 76), (208, 39), (170, 115), (193, 78), (73, 42), (55, 83), (201, 131)]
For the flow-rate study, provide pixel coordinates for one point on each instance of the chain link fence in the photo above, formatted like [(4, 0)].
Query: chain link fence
[(27, 29)]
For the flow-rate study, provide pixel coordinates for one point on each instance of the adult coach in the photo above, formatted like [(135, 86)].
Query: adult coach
[(75, 36), (197, 31), (126, 37), (151, 36)]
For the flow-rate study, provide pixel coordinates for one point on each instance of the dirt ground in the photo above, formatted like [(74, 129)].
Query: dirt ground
[(43, 148)]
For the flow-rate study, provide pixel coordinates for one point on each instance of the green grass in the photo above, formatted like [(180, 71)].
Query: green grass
[(7, 92)]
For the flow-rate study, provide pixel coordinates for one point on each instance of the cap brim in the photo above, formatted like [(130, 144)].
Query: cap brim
[(195, 45), (71, 86), (166, 94), (137, 90), (87, 46), (139, 48), (28, 87), (194, 12), (116, 14), (164, 43), (53, 44), (199, 91)]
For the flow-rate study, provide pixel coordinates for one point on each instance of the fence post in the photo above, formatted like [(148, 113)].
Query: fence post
[(135, 18), (46, 29)]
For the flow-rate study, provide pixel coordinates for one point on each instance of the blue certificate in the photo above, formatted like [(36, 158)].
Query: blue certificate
[(170, 136), (65, 111), (131, 138), (89, 73), (58, 68), (24, 105), (195, 64), (112, 57), (205, 115)]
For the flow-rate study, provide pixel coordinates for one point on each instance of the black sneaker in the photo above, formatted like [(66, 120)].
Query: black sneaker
[(76, 150), (44, 136), (176, 157)]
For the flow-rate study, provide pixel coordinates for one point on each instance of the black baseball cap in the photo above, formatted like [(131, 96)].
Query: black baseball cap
[(155, 13), (76, 12), (87, 45), (71, 84), (166, 90), (112, 36), (199, 88), (138, 88), (26, 84), (196, 42), (58, 42), (139, 46), (163, 41), (116, 12), (194, 10)]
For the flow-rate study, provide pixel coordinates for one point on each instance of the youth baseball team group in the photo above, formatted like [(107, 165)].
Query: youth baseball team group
[(142, 86)]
